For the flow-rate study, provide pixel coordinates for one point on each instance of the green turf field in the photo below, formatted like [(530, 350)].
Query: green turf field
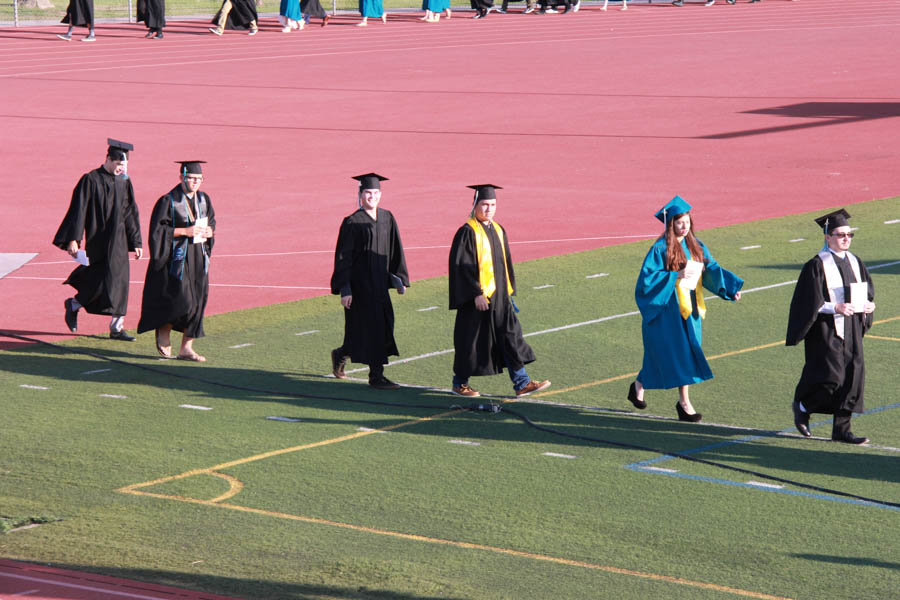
[(356, 500)]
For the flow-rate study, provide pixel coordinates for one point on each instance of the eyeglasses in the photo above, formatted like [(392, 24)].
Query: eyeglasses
[(846, 235)]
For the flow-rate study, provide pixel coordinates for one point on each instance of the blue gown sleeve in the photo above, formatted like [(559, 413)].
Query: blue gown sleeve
[(721, 282), (655, 285)]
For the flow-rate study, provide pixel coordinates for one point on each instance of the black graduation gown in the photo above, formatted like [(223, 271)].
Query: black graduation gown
[(243, 12), (168, 299), (368, 252), (152, 13), (833, 376), (481, 339), (312, 8), (104, 213), (80, 13)]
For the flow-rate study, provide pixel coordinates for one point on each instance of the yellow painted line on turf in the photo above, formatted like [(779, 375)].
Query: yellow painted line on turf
[(133, 488), (473, 546), (234, 486), (881, 337)]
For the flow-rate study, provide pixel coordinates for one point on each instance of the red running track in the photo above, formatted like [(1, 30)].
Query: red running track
[(37, 582), (590, 121)]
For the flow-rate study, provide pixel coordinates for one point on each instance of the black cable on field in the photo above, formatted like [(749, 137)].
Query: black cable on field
[(489, 408)]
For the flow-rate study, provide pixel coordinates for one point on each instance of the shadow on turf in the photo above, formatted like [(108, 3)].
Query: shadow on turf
[(847, 560), (235, 587), (356, 404)]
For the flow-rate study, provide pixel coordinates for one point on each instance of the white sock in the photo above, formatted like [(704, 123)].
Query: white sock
[(117, 323)]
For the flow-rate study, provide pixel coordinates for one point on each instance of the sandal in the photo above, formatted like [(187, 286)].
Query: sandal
[(164, 351), (193, 357)]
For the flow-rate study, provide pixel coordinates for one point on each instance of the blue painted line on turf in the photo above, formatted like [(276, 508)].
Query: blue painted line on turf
[(759, 488), (646, 466)]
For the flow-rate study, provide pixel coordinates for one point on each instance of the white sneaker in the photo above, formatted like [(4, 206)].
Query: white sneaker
[(529, 10), (215, 30), (286, 29), (577, 6), (550, 11), (253, 32)]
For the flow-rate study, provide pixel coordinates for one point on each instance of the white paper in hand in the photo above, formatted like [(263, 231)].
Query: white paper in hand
[(81, 258), (692, 270), (859, 295), (201, 222)]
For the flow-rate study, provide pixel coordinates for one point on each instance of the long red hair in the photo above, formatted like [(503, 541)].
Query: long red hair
[(675, 258)]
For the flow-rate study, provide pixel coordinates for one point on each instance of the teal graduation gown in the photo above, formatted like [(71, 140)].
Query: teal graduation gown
[(673, 355)]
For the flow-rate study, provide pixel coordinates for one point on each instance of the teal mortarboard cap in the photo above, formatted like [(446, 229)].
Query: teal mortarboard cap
[(676, 206)]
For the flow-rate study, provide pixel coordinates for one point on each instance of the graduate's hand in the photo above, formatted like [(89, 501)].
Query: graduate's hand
[(346, 301), (686, 273), (481, 303), (869, 308), (737, 296), (843, 308), (138, 253), (72, 248)]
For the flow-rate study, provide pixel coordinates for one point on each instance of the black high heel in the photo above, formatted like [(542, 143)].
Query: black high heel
[(632, 397), (683, 416)]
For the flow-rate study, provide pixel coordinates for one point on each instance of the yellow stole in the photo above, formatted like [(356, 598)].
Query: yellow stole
[(684, 298), (486, 261)]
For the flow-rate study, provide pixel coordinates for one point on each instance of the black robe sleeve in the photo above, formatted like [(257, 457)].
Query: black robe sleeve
[(162, 232), (73, 224), (464, 282), (130, 216), (807, 300), (397, 262), (868, 319), (510, 272), (343, 260)]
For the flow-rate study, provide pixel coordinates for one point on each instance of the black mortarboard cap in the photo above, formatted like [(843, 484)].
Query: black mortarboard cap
[(191, 167), (838, 218), (485, 191), (118, 150), (370, 181)]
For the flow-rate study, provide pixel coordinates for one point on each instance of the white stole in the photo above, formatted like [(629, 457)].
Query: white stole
[(835, 284)]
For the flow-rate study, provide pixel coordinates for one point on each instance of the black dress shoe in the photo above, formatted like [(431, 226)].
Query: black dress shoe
[(683, 416), (158, 36), (632, 397), (71, 316), (848, 438), (383, 383), (801, 420), (121, 336), (338, 360), (150, 34), (678, 3)]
